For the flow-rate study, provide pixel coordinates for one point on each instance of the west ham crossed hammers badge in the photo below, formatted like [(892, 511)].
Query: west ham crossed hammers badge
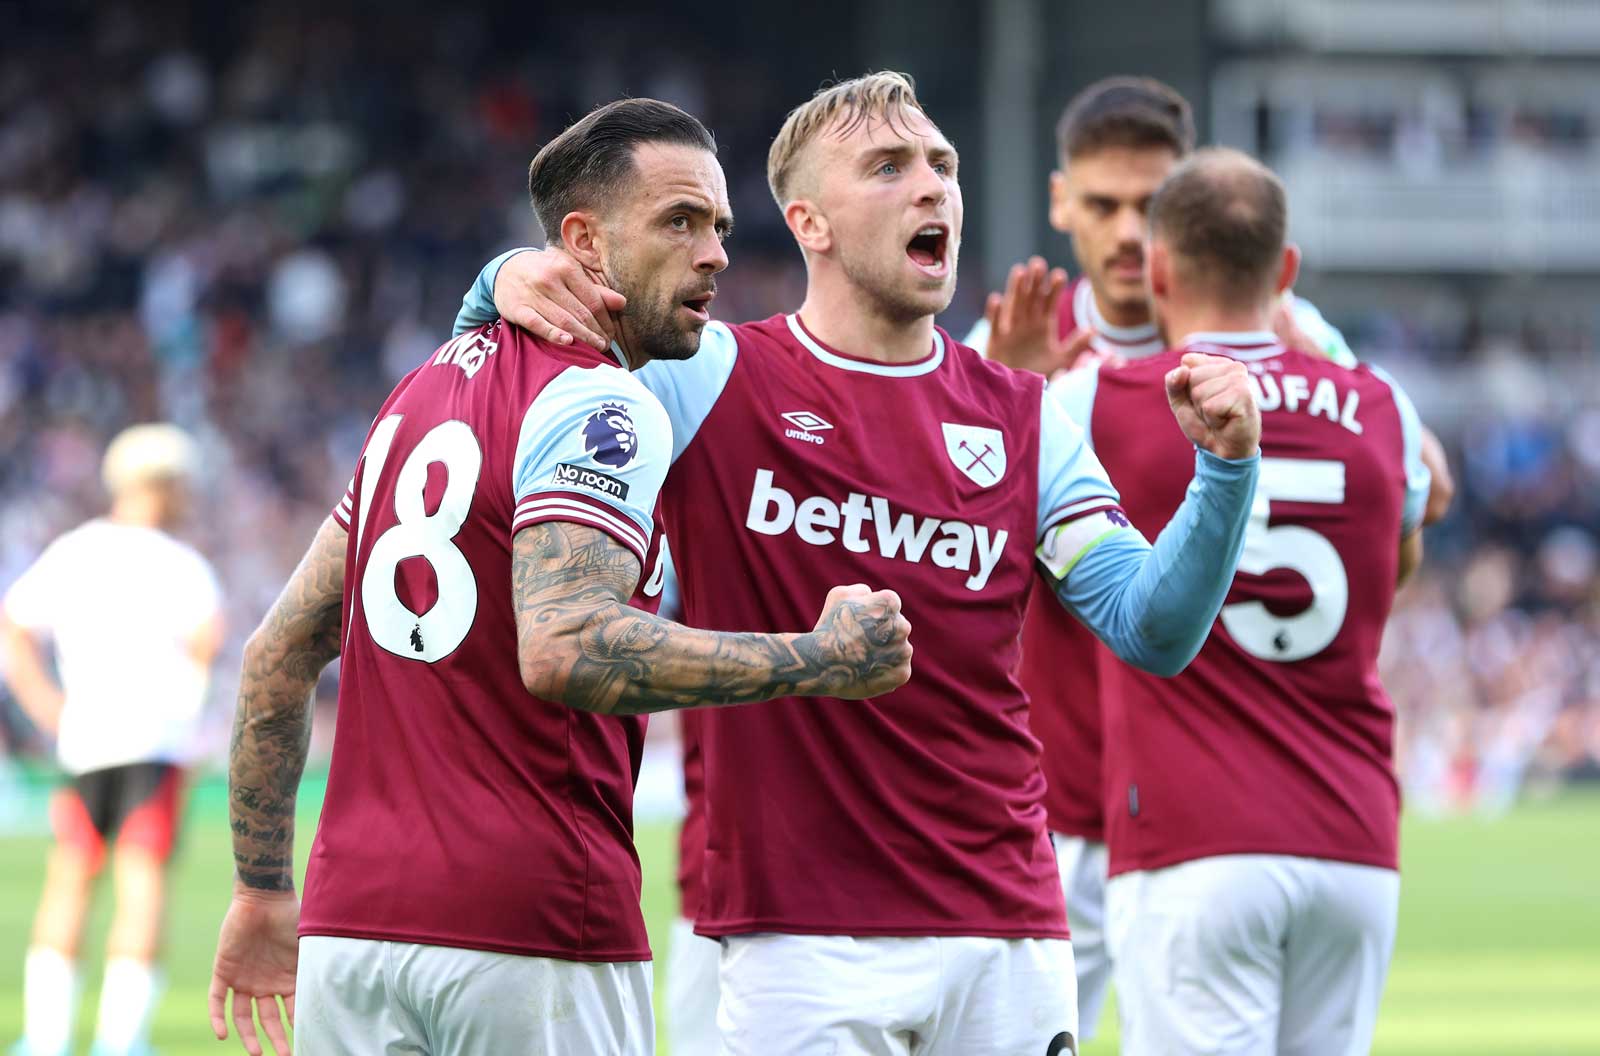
[(977, 451)]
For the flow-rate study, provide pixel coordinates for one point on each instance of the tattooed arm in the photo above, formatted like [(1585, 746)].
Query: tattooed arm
[(580, 643), (272, 726), (257, 951)]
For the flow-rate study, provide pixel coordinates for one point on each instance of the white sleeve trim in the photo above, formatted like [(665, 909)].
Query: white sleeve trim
[(553, 508)]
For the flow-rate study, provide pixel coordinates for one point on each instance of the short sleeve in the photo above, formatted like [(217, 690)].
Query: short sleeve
[(31, 601), (689, 388), (593, 449), (1074, 390), (1419, 478), (1078, 507)]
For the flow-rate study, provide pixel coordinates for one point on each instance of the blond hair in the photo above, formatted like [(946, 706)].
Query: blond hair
[(144, 453), (885, 95)]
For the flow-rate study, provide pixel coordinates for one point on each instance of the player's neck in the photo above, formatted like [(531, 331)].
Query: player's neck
[(137, 510), (1179, 322), (632, 357), (628, 347), (844, 320)]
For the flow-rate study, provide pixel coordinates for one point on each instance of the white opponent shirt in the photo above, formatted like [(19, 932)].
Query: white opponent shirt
[(124, 605)]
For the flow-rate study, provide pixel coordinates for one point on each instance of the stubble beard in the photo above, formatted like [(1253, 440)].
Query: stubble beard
[(647, 322), (657, 332), (885, 292)]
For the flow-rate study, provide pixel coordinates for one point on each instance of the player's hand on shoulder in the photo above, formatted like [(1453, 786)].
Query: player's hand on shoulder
[(1213, 402), (551, 295), (1022, 320), (864, 642), (1287, 329), (257, 956)]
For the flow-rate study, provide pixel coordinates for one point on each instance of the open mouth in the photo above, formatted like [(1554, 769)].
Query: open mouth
[(927, 249), (700, 307)]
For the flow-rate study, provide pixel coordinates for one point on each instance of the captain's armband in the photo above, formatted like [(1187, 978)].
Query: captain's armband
[(1065, 543)]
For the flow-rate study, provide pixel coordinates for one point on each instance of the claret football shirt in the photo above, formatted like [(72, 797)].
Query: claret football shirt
[(461, 811)]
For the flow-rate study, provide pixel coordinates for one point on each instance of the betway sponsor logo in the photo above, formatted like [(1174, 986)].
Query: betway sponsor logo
[(863, 522)]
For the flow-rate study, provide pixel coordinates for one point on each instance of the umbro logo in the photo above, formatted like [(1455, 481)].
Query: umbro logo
[(806, 426), (811, 423)]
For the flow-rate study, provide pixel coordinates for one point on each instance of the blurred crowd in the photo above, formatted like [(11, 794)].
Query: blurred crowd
[(253, 221), (1493, 654), (1432, 132)]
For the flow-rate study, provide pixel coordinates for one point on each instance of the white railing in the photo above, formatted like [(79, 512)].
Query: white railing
[(1543, 27), (1513, 214)]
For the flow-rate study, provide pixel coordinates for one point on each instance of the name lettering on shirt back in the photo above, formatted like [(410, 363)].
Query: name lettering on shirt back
[(470, 352), (820, 521), (1295, 394)]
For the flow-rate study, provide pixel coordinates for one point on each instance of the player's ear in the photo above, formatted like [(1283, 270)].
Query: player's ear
[(1289, 270), (809, 227), (580, 237), (1158, 267), (1060, 215)]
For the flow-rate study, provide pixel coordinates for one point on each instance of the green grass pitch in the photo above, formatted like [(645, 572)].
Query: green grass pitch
[(1499, 945)]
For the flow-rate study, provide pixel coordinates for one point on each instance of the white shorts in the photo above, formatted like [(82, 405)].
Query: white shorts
[(1083, 880), (365, 997), (692, 992), (1251, 953), (807, 994)]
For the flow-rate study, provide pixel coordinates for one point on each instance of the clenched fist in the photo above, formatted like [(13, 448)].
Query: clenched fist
[(864, 641), (1213, 402)]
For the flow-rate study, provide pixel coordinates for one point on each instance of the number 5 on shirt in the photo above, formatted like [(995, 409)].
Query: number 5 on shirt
[(1284, 639)]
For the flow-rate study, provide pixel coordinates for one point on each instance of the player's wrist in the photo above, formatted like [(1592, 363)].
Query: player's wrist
[(244, 891), (1226, 464), (813, 652), (822, 657)]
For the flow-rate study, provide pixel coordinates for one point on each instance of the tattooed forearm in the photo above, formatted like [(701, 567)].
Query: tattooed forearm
[(580, 643), (272, 726)]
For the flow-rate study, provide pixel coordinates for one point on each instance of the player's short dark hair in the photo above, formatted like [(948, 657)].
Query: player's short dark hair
[(1125, 112), (590, 161), (1227, 216)]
